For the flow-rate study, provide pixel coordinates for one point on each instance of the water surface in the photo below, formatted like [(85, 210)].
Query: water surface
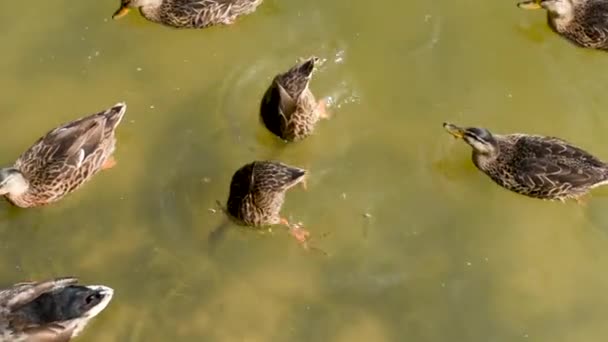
[(422, 246)]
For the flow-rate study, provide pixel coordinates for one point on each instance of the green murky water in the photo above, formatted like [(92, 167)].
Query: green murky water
[(445, 256)]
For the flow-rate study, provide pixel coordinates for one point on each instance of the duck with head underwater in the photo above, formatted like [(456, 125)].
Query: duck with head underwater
[(289, 109), (189, 13), (50, 311), (583, 22), (257, 194), (533, 165)]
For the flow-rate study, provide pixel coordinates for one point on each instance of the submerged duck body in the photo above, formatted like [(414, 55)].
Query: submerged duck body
[(257, 191), (190, 13), (257, 194), (289, 109), (532, 165), (583, 22), (62, 160), (49, 311)]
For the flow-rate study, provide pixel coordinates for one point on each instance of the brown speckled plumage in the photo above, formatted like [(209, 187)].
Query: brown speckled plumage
[(257, 191), (67, 157), (288, 108), (194, 13), (51, 311), (532, 165), (583, 22)]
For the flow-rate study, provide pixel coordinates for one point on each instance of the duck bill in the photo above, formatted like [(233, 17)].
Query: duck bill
[(122, 11), (455, 131), (530, 5)]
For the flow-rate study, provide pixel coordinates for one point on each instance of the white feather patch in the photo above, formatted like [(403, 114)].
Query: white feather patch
[(80, 158)]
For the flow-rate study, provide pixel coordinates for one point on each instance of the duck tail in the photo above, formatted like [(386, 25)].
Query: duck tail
[(306, 67), (296, 173), (114, 115)]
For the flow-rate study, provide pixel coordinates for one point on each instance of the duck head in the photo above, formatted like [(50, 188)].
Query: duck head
[(480, 139), (126, 5), (555, 7)]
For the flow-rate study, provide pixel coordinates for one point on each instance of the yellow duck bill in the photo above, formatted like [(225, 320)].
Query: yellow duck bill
[(122, 11), (457, 132), (530, 4)]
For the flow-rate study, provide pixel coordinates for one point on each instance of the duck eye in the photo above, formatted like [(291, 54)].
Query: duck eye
[(471, 136), (92, 297)]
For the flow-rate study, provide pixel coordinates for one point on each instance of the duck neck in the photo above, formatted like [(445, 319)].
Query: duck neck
[(16, 190), (483, 161), (560, 21), (151, 11)]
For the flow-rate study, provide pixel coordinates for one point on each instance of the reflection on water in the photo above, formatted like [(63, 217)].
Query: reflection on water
[(422, 246)]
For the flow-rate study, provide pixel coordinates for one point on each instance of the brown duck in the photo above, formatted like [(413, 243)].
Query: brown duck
[(62, 160), (257, 193), (533, 165), (289, 109), (583, 22), (189, 13)]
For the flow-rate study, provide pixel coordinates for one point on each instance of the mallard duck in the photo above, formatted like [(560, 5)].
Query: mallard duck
[(189, 13), (50, 311), (62, 160), (583, 22), (257, 193), (536, 166), (289, 109)]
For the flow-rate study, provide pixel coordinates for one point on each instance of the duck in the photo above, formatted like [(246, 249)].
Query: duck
[(189, 13), (536, 166), (583, 22), (257, 193), (289, 110), (62, 160), (54, 310)]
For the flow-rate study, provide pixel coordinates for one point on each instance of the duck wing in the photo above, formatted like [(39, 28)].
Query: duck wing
[(49, 333), (73, 142), (271, 176), (291, 85), (295, 81), (23, 293), (551, 164)]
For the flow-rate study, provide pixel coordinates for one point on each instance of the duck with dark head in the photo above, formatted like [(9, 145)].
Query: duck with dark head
[(533, 165), (50, 311)]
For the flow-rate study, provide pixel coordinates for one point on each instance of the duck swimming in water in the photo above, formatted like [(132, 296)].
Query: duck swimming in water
[(189, 13), (50, 311), (583, 22), (533, 165), (289, 109), (62, 160), (257, 194)]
